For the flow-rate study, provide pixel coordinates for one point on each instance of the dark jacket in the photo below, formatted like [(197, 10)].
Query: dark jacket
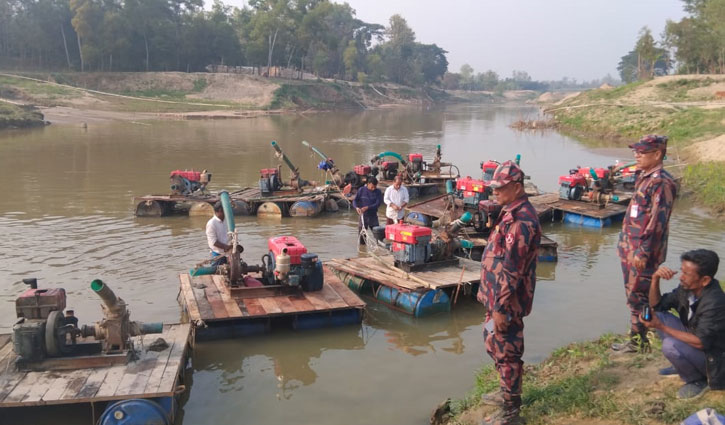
[(371, 199), (707, 323)]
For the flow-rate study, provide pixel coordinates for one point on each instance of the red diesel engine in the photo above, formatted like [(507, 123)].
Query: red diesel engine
[(488, 168), (187, 182), (269, 181), (415, 162), (410, 244), (291, 264), (572, 187), (389, 169), (358, 176), (472, 191)]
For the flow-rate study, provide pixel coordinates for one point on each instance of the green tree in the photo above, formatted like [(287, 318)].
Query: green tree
[(647, 54), (466, 76)]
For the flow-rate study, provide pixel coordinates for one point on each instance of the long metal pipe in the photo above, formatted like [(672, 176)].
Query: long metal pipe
[(106, 294), (315, 150), (228, 210), (284, 157)]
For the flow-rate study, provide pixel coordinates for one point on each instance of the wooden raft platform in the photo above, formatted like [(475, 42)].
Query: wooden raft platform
[(578, 212), (438, 278), (548, 206), (548, 248), (153, 375), (210, 305)]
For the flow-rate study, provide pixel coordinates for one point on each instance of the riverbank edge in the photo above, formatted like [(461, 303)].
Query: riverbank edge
[(620, 116), (587, 383), (20, 116), (174, 95)]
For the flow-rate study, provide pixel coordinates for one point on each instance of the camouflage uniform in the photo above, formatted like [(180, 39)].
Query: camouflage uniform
[(644, 232), (508, 280)]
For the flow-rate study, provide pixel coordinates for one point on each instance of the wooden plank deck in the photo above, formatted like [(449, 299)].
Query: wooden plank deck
[(208, 299), (248, 194), (438, 278), (153, 374)]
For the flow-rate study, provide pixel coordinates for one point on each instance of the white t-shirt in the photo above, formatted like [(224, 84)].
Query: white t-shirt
[(397, 197), (216, 231)]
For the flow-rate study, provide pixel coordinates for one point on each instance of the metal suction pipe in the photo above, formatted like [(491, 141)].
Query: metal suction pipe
[(226, 201), (284, 157), (108, 297), (315, 150), (143, 328)]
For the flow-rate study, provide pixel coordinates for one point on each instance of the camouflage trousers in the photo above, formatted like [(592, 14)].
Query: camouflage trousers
[(506, 350), (636, 288)]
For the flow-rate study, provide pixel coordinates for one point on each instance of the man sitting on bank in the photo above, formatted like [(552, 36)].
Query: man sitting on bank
[(695, 342)]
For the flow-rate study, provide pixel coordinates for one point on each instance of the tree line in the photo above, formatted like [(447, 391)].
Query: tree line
[(468, 79), (694, 45), (314, 36)]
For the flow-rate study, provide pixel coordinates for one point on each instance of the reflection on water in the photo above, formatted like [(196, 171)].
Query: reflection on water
[(67, 219)]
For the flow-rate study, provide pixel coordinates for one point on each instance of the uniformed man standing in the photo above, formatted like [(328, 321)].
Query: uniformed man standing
[(643, 241), (508, 280)]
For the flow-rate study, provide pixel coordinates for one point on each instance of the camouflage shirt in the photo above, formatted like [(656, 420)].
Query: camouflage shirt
[(508, 265), (646, 223)]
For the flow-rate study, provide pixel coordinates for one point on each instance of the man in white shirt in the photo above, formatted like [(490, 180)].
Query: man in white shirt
[(217, 235), (396, 198)]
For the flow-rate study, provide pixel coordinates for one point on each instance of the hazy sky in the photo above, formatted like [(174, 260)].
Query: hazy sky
[(550, 39)]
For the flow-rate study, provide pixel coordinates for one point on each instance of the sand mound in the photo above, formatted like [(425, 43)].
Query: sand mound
[(237, 88), (707, 151), (606, 86)]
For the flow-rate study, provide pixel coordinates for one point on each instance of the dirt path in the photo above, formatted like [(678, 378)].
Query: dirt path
[(78, 116)]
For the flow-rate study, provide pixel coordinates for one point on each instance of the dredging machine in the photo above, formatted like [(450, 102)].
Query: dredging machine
[(286, 266), (596, 185), (418, 248), (43, 331)]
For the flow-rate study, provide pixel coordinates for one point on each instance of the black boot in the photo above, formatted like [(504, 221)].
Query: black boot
[(510, 414)]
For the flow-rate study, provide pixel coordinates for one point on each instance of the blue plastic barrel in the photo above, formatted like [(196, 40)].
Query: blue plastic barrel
[(585, 221), (419, 304), (418, 219), (305, 209), (134, 411), (356, 283)]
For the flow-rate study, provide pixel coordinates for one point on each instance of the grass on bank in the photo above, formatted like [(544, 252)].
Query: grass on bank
[(610, 117), (707, 180), (588, 381), (13, 116)]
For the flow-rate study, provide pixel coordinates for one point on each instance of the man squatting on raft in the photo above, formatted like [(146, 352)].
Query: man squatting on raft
[(695, 342), (217, 236)]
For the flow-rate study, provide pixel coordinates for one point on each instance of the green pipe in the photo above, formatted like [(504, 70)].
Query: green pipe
[(593, 173), (396, 155), (315, 150), (284, 157), (228, 211), (151, 328), (199, 271)]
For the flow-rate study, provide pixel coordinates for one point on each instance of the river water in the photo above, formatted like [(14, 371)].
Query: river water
[(66, 217)]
